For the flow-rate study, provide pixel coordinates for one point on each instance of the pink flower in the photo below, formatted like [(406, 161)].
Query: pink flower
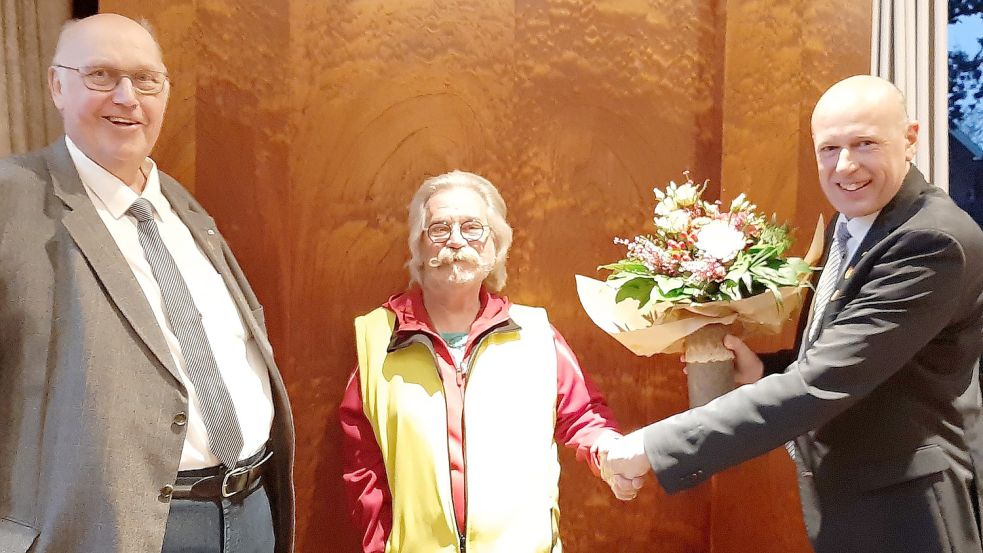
[(704, 270)]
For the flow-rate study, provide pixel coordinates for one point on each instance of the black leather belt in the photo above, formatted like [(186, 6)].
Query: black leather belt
[(219, 483)]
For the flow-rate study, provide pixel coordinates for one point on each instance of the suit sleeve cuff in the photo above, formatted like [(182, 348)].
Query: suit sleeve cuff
[(667, 459)]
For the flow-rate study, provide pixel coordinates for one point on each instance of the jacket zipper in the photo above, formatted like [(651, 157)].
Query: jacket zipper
[(462, 378), (463, 384), (462, 381)]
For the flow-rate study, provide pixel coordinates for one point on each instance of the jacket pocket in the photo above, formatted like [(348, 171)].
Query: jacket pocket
[(924, 461), (16, 537)]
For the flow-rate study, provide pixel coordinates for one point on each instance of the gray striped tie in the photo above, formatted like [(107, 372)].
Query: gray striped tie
[(217, 410), (831, 274)]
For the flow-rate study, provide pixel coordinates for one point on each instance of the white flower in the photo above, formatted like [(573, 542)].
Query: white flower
[(717, 239), (741, 203), (678, 220), (687, 194), (675, 221), (665, 207)]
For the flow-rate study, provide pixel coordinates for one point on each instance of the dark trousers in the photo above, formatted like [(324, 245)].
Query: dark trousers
[(240, 524)]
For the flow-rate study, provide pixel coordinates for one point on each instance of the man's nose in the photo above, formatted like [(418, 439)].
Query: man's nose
[(456, 239), (124, 93), (845, 163)]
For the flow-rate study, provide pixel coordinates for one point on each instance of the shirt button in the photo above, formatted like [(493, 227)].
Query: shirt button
[(165, 493), (181, 419)]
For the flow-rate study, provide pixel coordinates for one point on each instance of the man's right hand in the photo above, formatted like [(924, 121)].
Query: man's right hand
[(748, 367)]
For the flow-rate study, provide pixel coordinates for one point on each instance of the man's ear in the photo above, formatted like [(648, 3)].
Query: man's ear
[(54, 86), (911, 139)]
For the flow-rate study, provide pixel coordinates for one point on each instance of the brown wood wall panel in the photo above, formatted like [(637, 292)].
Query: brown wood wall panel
[(304, 127), (780, 57), (174, 25)]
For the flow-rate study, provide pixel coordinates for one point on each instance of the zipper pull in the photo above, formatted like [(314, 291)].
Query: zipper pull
[(460, 374)]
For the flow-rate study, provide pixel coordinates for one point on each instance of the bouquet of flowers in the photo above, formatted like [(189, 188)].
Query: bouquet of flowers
[(705, 270), (700, 253)]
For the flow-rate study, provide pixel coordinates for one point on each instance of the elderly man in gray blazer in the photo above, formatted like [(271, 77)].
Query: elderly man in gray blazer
[(140, 406), (882, 398)]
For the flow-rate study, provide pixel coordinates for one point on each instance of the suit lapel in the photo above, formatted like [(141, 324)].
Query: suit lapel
[(895, 213), (200, 225), (100, 250), (203, 229), (804, 343)]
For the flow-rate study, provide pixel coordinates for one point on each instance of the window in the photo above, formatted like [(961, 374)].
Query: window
[(966, 105)]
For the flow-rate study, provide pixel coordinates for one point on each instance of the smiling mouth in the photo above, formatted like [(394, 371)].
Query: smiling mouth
[(853, 186), (121, 121)]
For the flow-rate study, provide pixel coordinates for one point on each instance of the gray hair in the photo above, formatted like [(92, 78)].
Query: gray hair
[(501, 232)]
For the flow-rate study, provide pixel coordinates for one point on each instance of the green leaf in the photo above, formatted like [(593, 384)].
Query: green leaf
[(667, 284), (625, 266), (730, 289), (639, 288)]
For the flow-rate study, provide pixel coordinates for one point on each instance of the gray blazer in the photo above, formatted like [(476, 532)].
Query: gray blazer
[(88, 389), (884, 406)]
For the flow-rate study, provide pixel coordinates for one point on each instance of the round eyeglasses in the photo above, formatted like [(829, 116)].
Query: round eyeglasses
[(105, 79), (472, 231)]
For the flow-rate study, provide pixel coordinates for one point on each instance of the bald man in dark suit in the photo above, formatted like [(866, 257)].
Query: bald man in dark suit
[(880, 403)]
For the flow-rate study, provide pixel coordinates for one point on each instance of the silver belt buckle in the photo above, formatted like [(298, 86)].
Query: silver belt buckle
[(236, 472)]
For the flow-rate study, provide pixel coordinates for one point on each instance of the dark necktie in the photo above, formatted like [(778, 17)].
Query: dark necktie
[(214, 401), (830, 276), (824, 291)]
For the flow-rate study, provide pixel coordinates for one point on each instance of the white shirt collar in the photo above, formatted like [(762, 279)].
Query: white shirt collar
[(114, 193), (858, 227)]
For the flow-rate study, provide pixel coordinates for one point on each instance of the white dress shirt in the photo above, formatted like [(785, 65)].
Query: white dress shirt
[(858, 227), (239, 360)]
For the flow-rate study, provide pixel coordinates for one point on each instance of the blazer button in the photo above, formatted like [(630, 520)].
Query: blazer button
[(181, 419), (693, 476), (165, 493)]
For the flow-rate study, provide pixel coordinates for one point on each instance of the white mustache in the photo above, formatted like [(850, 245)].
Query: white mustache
[(446, 256)]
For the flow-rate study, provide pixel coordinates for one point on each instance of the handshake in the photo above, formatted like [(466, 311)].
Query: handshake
[(623, 462)]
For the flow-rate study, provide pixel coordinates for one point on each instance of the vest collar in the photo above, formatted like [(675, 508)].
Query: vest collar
[(412, 320)]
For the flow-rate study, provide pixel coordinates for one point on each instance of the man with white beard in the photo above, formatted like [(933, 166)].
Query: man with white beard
[(451, 418)]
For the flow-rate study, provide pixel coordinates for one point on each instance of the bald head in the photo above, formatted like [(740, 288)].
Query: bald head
[(864, 144), (84, 30), (862, 93), (106, 80)]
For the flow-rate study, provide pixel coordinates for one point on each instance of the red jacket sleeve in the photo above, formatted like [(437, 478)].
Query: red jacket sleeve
[(582, 415), (364, 472)]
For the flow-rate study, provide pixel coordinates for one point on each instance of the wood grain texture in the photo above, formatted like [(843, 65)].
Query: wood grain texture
[(780, 57), (304, 127), (175, 26)]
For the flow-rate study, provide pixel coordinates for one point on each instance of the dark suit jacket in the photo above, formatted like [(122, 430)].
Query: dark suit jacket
[(884, 406), (88, 388)]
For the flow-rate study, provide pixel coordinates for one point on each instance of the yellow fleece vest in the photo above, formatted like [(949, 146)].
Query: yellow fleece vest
[(511, 468)]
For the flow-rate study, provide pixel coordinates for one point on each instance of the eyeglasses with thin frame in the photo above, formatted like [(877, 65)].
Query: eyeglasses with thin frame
[(105, 79), (471, 230)]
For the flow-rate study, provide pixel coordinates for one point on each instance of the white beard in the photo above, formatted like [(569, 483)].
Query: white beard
[(465, 264)]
